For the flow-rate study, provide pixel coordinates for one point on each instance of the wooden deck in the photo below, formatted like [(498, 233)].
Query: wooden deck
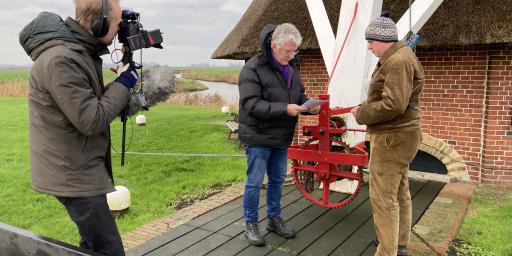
[(320, 231)]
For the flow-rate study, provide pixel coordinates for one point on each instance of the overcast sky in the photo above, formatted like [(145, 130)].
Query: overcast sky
[(192, 28)]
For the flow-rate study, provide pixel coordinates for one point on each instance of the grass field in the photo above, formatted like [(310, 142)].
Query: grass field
[(487, 227), (228, 74), (156, 183)]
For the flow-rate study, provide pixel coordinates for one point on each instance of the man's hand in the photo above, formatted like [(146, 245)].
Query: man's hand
[(315, 110), (295, 110), (128, 76)]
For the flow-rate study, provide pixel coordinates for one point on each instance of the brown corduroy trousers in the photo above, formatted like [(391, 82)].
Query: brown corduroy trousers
[(390, 155)]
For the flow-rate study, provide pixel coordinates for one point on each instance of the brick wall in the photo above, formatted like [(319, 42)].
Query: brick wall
[(466, 102), (314, 76), (497, 162)]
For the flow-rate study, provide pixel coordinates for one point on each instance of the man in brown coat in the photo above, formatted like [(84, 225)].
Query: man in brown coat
[(393, 119), (70, 111)]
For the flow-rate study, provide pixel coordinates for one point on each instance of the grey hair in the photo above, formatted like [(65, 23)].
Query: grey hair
[(284, 33)]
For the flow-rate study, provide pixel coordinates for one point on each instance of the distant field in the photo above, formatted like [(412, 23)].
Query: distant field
[(13, 74), (228, 75), (13, 82)]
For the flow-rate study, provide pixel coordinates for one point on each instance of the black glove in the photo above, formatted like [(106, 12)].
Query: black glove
[(128, 76)]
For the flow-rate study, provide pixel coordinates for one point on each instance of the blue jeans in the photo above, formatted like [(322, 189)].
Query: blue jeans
[(273, 160)]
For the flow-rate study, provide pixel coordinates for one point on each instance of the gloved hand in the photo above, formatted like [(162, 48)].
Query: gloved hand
[(128, 76)]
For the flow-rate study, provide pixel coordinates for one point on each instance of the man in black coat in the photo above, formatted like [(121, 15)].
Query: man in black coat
[(271, 95)]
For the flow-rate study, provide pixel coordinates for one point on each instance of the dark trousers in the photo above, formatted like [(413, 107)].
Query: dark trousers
[(97, 228)]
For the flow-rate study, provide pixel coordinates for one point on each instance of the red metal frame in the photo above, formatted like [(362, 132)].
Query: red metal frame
[(326, 171)]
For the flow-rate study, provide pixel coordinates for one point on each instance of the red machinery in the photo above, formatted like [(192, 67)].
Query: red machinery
[(326, 158)]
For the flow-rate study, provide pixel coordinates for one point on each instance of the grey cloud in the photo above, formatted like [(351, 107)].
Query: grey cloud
[(192, 28)]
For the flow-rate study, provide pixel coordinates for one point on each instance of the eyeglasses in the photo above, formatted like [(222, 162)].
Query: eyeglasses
[(290, 52)]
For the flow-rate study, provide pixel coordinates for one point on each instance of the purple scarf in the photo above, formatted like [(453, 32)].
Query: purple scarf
[(286, 71)]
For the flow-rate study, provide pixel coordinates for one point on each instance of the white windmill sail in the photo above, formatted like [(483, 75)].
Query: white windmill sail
[(350, 64)]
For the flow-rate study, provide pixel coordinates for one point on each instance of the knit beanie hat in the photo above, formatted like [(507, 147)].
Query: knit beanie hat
[(382, 29)]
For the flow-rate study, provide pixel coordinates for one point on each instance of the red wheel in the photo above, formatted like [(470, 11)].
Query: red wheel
[(315, 185)]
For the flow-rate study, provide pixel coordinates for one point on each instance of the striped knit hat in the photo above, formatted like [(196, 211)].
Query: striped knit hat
[(382, 29)]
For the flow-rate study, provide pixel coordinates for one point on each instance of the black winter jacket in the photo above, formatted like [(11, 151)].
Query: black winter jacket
[(264, 96)]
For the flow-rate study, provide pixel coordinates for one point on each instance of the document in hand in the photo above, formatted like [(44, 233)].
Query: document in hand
[(311, 103)]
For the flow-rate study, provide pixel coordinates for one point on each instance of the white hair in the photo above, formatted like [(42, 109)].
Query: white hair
[(284, 33)]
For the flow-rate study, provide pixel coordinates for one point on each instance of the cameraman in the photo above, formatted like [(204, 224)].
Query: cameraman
[(70, 111)]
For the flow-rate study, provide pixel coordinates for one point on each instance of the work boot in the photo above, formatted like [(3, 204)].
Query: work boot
[(402, 250), (252, 233), (276, 224)]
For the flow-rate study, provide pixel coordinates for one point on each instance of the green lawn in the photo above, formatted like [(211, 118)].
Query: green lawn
[(189, 85), (487, 227), (156, 183)]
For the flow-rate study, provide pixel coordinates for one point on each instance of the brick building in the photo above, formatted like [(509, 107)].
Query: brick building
[(466, 52)]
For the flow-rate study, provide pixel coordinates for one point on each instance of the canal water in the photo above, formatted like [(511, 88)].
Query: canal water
[(228, 92)]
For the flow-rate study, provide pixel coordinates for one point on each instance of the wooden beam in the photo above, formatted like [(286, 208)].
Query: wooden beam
[(421, 12), (432, 176), (16, 241), (323, 30)]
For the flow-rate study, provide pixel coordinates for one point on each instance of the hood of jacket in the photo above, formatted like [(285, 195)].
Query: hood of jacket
[(266, 40), (48, 28)]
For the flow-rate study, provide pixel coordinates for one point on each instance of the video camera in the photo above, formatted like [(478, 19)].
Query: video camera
[(133, 37)]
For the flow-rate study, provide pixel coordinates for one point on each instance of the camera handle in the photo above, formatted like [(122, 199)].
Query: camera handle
[(127, 58)]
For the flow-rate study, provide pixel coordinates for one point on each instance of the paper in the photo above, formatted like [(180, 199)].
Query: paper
[(311, 103)]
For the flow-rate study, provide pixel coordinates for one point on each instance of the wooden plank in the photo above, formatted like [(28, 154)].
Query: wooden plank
[(231, 206), (432, 176), (340, 231), (160, 241), (298, 222), (359, 241), (345, 229), (234, 205), (231, 247), (15, 241), (288, 214), (234, 215), (181, 243), (215, 213), (423, 200), (364, 237), (237, 227), (206, 245), (318, 226), (362, 241), (370, 251)]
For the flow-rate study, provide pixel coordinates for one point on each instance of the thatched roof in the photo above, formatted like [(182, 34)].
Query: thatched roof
[(455, 22)]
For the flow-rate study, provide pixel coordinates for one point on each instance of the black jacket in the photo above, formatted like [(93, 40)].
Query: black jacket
[(264, 96)]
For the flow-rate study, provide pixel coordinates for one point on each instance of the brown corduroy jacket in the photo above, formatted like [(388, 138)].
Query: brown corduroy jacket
[(393, 94)]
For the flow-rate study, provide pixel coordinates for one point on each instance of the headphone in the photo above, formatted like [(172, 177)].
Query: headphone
[(100, 26)]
